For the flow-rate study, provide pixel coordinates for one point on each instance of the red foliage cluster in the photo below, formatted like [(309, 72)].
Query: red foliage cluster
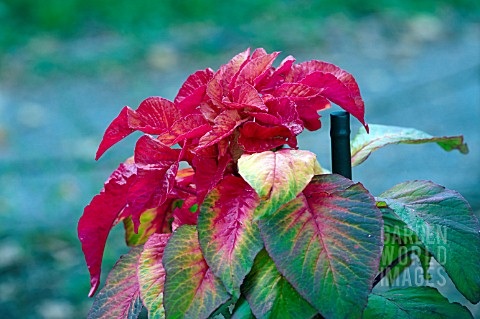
[(247, 106)]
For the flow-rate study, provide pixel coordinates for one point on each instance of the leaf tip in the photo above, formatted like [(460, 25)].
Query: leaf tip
[(95, 283)]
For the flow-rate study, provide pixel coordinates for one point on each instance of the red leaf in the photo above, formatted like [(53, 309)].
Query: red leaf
[(192, 91), (188, 127), (215, 89), (258, 138), (208, 172), (184, 184), (245, 96), (278, 76), (184, 215), (100, 216), (264, 118), (340, 89), (151, 151), (308, 111), (115, 132), (157, 167), (229, 71), (224, 125), (259, 52), (224, 79), (338, 85), (255, 70), (296, 91), (285, 110), (154, 116), (185, 176)]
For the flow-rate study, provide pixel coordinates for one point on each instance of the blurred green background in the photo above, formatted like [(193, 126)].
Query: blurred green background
[(67, 67)]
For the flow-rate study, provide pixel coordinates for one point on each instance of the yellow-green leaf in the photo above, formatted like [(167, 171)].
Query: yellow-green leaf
[(191, 289), (120, 297), (151, 275), (327, 243), (277, 177)]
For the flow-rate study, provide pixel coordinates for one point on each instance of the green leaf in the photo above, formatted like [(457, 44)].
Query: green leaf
[(228, 237), (413, 303), (400, 243), (365, 143), (277, 177), (191, 289), (270, 295), (445, 223), (120, 297), (151, 275), (327, 243), (234, 308), (242, 310), (224, 311)]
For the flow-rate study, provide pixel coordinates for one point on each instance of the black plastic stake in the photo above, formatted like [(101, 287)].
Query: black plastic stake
[(340, 141)]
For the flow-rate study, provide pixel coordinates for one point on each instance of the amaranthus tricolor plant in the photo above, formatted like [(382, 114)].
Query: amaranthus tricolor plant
[(254, 227)]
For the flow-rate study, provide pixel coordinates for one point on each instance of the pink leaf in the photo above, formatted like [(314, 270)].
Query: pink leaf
[(155, 115), (192, 91), (100, 216), (224, 125), (151, 151)]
